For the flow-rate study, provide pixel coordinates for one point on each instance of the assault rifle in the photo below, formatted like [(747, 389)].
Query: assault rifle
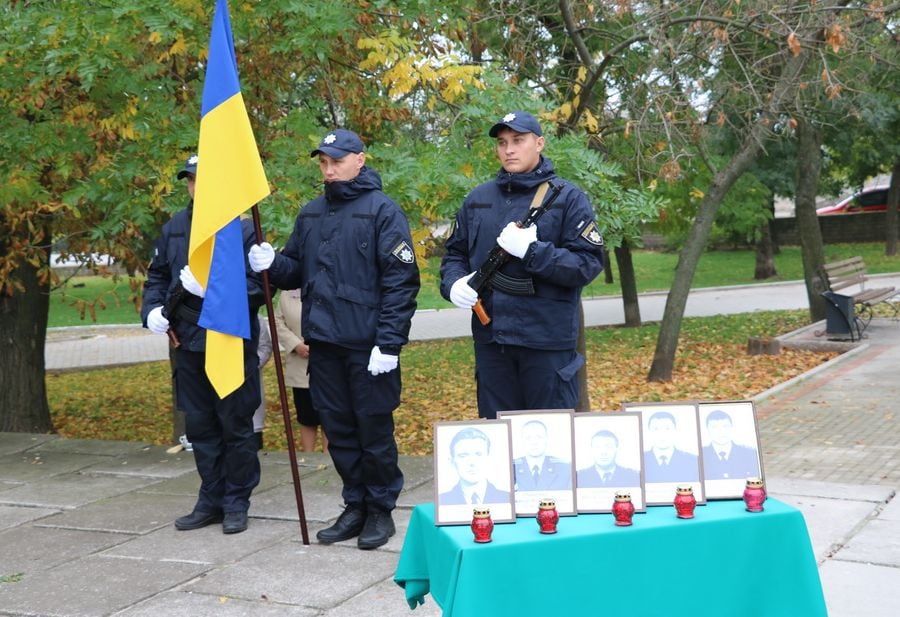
[(497, 257), (170, 308)]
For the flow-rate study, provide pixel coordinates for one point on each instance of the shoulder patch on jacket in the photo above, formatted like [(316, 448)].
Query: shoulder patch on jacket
[(404, 253), (592, 234)]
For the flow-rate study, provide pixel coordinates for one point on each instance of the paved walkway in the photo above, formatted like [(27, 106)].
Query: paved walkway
[(86, 526)]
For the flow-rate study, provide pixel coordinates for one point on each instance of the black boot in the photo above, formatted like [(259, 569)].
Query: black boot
[(197, 519), (235, 522), (378, 529), (348, 525)]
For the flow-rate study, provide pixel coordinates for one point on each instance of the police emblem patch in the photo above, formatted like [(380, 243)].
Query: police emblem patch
[(404, 253), (329, 139), (592, 234)]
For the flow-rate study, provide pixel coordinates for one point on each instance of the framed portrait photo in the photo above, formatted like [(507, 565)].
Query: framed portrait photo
[(671, 438), (472, 470), (542, 450), (730, 447), (609, 459)]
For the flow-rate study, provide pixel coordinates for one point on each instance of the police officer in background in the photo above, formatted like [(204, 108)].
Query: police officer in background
[(351, 255), (525, 358), (220, 430)]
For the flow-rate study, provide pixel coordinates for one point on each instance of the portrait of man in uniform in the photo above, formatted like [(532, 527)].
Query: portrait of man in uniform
[(671, 441), (472, 469), (608, 459), (730, 447), (605, 471), (542, 459)]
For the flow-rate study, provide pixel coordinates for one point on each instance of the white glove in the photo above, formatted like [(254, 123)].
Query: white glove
[(461, 294), (381, 363), (261, 256), (156, 323), (515, 240), (190, 283)]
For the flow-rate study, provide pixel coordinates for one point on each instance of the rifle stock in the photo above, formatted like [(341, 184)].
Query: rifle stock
[(169, 309), (497, 257)]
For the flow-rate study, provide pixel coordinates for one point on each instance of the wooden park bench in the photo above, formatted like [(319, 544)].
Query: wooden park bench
[(848, 278)]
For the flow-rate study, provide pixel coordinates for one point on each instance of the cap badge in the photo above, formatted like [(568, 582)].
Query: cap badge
[(193, 160), (329, 139), (509, 117)]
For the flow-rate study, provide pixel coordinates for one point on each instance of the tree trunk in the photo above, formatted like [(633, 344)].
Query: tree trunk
[(890, 217), (765, 248), (667, 342), (809, 163), (628, 283), (23, 332), (584, 397), (607, 271)]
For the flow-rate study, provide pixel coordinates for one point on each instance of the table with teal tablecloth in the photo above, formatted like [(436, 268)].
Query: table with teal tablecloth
[(725, 562)]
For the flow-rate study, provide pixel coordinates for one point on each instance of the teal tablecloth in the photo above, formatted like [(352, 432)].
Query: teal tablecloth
[(726, 562)]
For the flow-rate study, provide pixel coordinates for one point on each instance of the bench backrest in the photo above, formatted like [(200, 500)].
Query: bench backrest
[(846, 273)]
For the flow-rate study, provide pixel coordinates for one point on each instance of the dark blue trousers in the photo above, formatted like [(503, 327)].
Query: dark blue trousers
[(356, 410), (511, 377), (221, 431)]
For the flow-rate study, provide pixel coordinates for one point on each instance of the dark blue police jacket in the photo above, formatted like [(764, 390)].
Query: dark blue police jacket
[(567, 256), (169, 257), (351, 256)]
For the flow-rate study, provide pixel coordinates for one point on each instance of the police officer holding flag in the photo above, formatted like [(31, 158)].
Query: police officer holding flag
[(351, 255), (525, 358)]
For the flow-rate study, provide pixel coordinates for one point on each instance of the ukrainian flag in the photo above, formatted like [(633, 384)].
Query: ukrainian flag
[(230, 180)]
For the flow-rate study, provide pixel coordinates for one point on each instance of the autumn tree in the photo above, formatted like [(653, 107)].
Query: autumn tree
[(102, 106)]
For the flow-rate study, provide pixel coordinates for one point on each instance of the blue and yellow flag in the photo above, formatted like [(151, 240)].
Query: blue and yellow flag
[(230, 179)]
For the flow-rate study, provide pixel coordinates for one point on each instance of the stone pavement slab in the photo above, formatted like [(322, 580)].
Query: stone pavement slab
[(860, 590), (30, 466), (382, 600), (149, 462), (32, 550), (132, 513), (11, 516), (93, 586), (70, 491), (314, 576), (205, 546), (197, 604), (878, 543), (13, 442)]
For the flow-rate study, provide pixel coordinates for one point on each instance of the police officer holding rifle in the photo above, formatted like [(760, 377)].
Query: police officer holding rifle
[(522, 248)]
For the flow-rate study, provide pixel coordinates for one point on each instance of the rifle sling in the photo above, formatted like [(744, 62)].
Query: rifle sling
[(512, 285)]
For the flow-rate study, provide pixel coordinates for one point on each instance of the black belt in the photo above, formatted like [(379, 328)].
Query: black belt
[(512, 285)]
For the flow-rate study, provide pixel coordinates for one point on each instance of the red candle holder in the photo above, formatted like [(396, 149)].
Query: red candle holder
[(547, 516), (754, 495), (482, 525), (623, 509), (685, 502)]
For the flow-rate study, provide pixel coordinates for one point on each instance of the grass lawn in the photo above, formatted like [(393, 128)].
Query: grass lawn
[(134, 403), (104, 300)]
